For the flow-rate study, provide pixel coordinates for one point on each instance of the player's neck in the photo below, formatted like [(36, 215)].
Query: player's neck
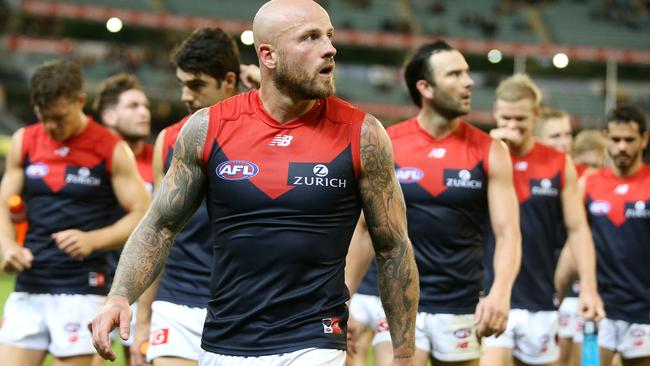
[(136, 145), (629, 171), (527, 144), (83, 122), (283, 108), (435, 124)]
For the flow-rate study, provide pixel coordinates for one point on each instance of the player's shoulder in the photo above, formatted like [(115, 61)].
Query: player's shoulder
[(474, 134), (402, 129), (235, 106), (548, 153), (340, 111), (101, 133)]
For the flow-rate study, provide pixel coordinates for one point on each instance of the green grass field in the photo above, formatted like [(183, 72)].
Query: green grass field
[(7, 285)]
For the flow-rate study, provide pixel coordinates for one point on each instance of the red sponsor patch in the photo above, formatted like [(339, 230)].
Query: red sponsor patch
[(382, 326), (462, 345), (159, 336)]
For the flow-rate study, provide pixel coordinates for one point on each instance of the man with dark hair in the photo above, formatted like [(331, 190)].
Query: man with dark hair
[(452, 176), (122, 106), (618, 205), (285, 172), (172, 311), (72, 173)]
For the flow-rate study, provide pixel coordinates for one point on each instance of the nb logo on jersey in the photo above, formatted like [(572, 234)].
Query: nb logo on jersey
[(409, 175), (281, 140), (521, 166), (637, 210), (83, 177), (62, 151), (599, 208), (332, 325), (621, 189), (464, 180), (35, 171), (437, 152), (236, 170), (543, 187)]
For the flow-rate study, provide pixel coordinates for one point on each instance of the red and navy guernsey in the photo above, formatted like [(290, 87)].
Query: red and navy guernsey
[(539, 180), (67, 186), (186, 278), (283, 202), (619, 215), (444, 182)]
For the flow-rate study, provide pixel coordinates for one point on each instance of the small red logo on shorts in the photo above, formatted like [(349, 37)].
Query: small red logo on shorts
[(159, 337), (332, 325), (382, 326), (462, 345), (638, 343)]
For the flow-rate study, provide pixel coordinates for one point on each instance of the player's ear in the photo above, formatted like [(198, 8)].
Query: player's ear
[(644, 139), (267, 55), (109, 117), (425, 89)]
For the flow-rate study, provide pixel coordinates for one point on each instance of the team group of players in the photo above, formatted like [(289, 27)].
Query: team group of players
[(261, 199)]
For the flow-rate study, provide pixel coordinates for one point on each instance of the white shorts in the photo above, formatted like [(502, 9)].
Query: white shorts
[(448, 337), (531, 335), (56, 323), (303, 357), (568, 314), (366, 309), (175, 331), (631, 340)]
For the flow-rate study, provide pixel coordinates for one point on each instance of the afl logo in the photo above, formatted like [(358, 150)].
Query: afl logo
[(600, 208), (408, 175), (36, 171), (236, 170), (462, 333)]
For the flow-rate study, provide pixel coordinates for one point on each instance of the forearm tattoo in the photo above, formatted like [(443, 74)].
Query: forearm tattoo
[(178, 197), (385, 213)]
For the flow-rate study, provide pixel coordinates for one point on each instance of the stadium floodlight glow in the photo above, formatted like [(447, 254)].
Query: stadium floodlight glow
[(560, 60), (495, 56), (247, 37), (114, 25)]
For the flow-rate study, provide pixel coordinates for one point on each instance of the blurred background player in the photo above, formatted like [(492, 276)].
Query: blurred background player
[(207, 66), (545, 181), (553, 129), (72, 173), (618, 205), (122, 106), (452, 176)]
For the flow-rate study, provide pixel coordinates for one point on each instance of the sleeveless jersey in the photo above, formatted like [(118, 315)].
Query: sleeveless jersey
[(144, 161), (619, 214), (67, 186), (283, 202), (539, 179), (444, 182), (186, 278)]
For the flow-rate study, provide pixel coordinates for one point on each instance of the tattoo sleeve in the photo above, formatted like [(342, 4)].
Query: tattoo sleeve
[(385, 213), (178, 197)]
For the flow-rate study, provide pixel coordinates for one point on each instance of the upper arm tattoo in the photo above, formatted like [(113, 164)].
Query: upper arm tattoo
[(385, 214), (179, 195)]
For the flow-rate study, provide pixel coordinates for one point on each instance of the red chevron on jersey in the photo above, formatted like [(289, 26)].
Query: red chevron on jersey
[(619, 198), (319, 136), (171, 134), (50, 159), (144, 161), (437, 164), (538, 173)]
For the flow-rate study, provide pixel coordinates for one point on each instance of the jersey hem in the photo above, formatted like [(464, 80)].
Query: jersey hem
[(175, 301), (231, 351)]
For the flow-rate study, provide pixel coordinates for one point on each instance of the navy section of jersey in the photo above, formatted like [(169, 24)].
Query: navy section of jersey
[(283, 201), (67, 186), (539, 179), (619, 214), (186, 278), (445, 188)]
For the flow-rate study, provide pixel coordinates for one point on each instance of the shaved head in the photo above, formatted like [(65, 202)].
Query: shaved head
[(277, 17)]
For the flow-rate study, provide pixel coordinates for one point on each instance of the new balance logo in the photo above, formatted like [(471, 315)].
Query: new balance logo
[(281, 140)]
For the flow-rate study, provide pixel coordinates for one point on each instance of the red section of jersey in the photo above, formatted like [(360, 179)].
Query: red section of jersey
[(581, 169), (461, 149), (171, 134), (609, 192), (145, 163), (89, 148), (291, 142), (542, 162)]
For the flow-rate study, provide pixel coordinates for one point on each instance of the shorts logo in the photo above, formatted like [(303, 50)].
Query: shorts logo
[(637, 333), (462, 333), (462, 345), (599, 208), (237, 170), (544, 340), (73, 331), (35, 171), (332, 325), (382, 326), (96, 279), (159, 336), (409, 175)]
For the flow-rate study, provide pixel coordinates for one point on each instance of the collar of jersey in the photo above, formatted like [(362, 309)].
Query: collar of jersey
[(416, 126), (311, 117)]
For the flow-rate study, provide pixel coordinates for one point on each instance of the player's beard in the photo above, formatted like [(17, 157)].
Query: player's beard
[(446, 106), (131, 137), (626, 163), (292, 79)]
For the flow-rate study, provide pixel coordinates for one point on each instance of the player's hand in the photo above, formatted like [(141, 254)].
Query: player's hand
[(507, 134), (141, 337), (352, 336), (250, 76), (410, 361), (491, 316), (75, 243), (116, 313), (590, 305), (14, 258)]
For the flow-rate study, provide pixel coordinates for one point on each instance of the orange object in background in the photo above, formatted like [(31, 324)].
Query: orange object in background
[(144, 347), (18, 217)]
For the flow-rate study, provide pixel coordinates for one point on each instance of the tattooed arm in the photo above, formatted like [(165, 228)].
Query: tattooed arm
[(385, 213), (144, 254)]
